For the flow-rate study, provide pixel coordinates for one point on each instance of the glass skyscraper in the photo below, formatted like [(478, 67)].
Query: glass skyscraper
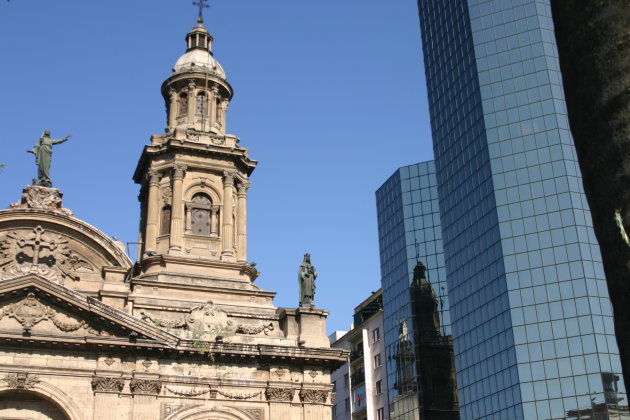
[(529, 307), (409, 230)]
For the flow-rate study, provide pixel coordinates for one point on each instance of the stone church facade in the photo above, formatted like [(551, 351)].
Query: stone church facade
[(183, 333)]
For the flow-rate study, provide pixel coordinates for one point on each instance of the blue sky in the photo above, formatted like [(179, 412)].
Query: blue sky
[(329, 96)]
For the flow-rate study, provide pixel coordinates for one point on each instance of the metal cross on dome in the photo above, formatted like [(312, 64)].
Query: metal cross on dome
[(202, 5)]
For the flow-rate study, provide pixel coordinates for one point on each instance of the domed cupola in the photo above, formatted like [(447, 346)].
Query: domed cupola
[(197, 92)]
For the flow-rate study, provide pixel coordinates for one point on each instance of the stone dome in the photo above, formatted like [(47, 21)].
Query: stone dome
[(199, 60)]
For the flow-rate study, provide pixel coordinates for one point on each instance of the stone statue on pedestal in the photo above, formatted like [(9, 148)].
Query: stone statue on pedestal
[(306, 278), (43, 155)]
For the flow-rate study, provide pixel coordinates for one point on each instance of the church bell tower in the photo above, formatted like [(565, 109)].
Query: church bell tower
[(194, 178)]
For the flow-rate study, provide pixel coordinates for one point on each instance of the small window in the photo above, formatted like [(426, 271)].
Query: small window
[(334, 410), (379, 387), (165, 222), (347, 404), (200, 214), (183, 104), (346, 379), (376, 335), (334, 386), (201, 105), (378, 362), (380, 414)]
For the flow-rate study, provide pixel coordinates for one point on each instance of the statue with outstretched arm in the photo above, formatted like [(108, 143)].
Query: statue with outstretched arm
[(43, 155)]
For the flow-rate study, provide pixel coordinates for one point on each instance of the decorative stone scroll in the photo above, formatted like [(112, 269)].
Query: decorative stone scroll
[(247, 329), (40, 253), (30, 311), (21, 380), (238, 396), (188, 392), (107, 384), (315, 396), (41, 198), (145, 386), (279, 394), (204, 322)]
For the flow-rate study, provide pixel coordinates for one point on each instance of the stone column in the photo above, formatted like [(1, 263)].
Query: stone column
[(214, 220), (153, 211), (227, 254), (241, 227), (192, 102), (212, 105), (177, 208), (172, 111), (188, 217)]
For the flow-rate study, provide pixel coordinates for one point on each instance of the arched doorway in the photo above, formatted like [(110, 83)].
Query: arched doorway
[(18, 405)]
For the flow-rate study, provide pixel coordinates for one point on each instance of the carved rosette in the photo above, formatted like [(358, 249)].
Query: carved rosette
[(167, 194), (315, 396), (21, 380), (145, 386), (107, 384), (279, 394)]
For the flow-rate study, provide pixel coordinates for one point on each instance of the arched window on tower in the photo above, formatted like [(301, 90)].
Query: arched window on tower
[(201, 105), (183, 104), (201, 223), (165, 221)]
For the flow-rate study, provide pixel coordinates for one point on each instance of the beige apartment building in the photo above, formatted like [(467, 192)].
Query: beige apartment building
[(361, 383)]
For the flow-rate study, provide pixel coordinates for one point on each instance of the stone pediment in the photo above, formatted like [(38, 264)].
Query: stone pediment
[(34, 305), (63, 249)]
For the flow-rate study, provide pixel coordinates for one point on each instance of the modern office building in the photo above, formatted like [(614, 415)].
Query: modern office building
[(361, 383), (529, 307), (409, 232)]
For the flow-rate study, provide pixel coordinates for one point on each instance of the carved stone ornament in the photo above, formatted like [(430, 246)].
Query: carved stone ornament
[(315, 396), (247, 329), (333, 397), (279, 394), (238, 396), (21, 380), (145, 386), (40, 253), (253, 413), (188, 392), (107, 384), (167, 194), (219, 141), (205, 322), (41, 198), (30, 311)]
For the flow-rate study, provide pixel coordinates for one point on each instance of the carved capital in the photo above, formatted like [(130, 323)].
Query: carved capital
[(215, 90), (279, 394), (145, 386), (191, 86), (153, 177), (242, 189), (21, 380), (228, 178), (315, 396), (179, 171), (107, 384), (214, 210)]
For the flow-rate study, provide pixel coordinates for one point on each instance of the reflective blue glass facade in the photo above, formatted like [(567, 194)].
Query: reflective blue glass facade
[(408, 230), (530, 314)]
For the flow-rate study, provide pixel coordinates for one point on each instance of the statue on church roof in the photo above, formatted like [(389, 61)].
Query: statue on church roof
[(43, 155), (306, 278)]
